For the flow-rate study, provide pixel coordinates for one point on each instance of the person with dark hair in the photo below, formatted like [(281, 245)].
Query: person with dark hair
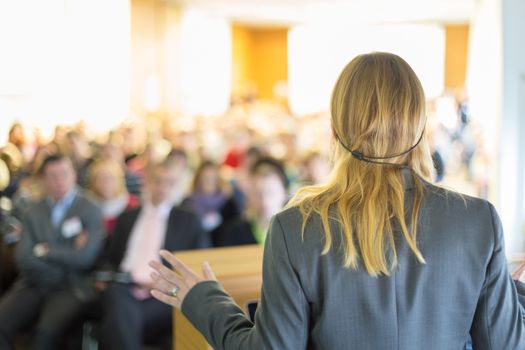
[(178, 158), (209, 196), (241, 178), (110, 152), (78, 150), (267, 196), (60, 241)]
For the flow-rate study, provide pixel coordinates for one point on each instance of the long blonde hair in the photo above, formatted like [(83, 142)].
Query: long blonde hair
[(378, 109)]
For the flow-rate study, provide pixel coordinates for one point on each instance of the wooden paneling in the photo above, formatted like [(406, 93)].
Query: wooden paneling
[(259, 58), (456, 52), (239, 269)]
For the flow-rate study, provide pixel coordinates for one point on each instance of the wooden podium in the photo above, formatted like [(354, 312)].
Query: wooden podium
[(239, 269)]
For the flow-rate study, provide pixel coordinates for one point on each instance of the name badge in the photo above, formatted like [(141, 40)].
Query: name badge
[(71, 227)]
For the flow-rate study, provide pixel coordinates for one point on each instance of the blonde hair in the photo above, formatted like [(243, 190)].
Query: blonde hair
[(378, 109), (113, 167)]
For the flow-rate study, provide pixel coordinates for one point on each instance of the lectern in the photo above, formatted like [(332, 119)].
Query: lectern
[(239, 269)]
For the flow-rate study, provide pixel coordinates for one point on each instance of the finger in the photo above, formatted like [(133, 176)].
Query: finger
[(177, 264), (159, 283), (166, 299), (208, 272), (169, 275)]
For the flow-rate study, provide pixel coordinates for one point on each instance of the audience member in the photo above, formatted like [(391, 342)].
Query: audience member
[(178, 158), (106, 184), (209, 196), (133, 181), (131, 316), (316, 169), (80, 153), (268, 195), (60, 242)]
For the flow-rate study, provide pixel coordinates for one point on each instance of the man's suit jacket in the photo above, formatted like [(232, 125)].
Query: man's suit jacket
[(183, 232), (64, 265), (309, 301)]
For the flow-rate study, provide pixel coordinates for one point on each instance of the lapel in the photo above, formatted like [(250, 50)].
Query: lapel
[(55, 233), (171, 232), (132, 219), (119, 240), (73, 208), (51, 234)]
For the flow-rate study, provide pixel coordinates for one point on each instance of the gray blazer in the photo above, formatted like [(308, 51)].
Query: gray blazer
[(310, 301), (64, 266)]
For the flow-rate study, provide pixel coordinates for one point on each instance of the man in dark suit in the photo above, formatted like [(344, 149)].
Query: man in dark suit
[(61, 239), (131, 316)]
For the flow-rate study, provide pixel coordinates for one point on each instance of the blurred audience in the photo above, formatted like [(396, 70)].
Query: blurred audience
[(209, 196), (178, 158), (315, 169), (79, 151), (267, 196), (131, 316), (133, 181), (61, 239), (108, 188)]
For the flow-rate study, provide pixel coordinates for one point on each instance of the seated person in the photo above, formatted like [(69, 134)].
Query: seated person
[(210, 199), (131, 316), (133, 181), (108, 188), (267, 196), (315, 169), (60, 241)]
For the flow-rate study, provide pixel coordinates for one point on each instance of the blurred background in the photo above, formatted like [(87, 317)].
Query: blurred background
[(224, 80)]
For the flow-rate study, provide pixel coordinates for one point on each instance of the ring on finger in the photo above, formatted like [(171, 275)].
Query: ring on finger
[(174, 291)]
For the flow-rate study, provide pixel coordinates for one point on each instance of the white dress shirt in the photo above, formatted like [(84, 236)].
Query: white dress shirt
[(146, 239)]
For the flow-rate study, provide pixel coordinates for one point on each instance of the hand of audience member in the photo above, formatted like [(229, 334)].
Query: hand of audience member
[(181, 279), (519, 274), (101, 286), (81, 240)]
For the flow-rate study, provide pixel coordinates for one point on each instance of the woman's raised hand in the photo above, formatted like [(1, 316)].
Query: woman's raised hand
[(172, 286)]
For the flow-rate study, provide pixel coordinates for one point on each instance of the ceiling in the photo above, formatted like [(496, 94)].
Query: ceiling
[(289, 12)]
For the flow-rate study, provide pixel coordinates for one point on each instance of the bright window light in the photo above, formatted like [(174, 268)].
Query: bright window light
[(318, 52), (64, 60), (205, 63)]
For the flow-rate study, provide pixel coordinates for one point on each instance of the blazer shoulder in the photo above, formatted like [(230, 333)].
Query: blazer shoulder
[(84, 201), (290, 222), (289, 215), (453, 201), (36, 207)]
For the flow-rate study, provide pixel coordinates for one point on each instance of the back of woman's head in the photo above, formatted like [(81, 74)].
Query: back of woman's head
[(378, 121)]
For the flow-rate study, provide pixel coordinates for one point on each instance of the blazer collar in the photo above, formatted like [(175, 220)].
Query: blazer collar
[(408, 176)]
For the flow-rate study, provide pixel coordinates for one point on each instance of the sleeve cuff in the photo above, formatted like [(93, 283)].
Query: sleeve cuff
[(197, 295)]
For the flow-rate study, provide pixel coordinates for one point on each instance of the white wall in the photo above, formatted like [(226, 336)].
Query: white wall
[(62, 61), (496, 87), (205, 63), (319, 51), (512, 145)]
